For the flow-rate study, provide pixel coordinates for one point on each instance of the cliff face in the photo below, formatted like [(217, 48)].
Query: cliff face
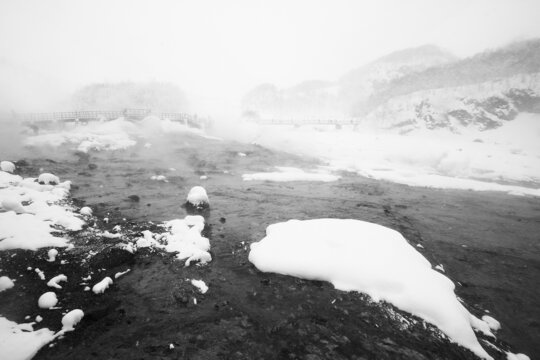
[(483, 106)]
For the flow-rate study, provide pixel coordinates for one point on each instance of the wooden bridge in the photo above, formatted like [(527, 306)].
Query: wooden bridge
[(306, 122), (38, 119)]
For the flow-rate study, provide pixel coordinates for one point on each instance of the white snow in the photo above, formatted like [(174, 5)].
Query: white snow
[(291, 174), (98, 136), (30, 227), (492, 322), (7, 166), (200, 285), (40, 273), (86, 211), (55, 280), (103, 285), (20, 342), (109, 235), (48, 179), (197, 196), (438, 159), (185, 237), (52, 254), (159, 178), (512, 356), (71, 319), (6, 283), (118, 274), (47, 300), (366, 257)]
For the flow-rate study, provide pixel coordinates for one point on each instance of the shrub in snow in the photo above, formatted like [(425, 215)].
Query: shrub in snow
[(197, 197), (5, 283), (71, 319), (55, 280), (86, 211), (48, 179), (47, 300), (7, 166), (369, 258), (103, 285), (52, 255)]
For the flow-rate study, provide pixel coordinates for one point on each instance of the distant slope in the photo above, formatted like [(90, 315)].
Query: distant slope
[(518, 58), (481, 92), (336, 99)]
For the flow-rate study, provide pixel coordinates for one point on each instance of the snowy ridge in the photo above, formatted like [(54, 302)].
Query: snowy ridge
[(482, 106)]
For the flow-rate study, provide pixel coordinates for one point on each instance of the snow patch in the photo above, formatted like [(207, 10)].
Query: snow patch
[(71, 319), (200, 285), (52, 254), (6, 283), (103, 285), (55, 280), (291, 174), (20, 341)]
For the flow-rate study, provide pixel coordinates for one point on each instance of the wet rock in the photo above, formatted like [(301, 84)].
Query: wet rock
[(112, 257)]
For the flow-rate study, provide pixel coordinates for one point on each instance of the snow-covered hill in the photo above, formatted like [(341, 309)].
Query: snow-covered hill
[(482, 106)]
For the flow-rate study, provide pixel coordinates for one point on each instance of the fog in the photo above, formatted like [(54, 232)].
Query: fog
[(216, 51)]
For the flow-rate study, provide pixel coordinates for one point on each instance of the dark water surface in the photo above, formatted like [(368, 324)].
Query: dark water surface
[(488, 242)]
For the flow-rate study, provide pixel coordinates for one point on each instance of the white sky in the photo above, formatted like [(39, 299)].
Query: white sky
[(223, 48)]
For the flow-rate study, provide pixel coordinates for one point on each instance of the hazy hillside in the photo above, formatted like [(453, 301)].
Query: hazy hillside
[(338, 99), (157, 96), (517, 58)]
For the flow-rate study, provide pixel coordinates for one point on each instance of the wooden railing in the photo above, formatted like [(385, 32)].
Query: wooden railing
[(94, 115)]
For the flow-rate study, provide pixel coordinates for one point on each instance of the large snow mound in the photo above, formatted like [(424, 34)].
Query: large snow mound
[(369, 258), (291, 174)]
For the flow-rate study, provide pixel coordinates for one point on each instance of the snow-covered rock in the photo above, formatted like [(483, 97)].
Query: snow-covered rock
[(200, 285), (52, 254), (47, 300), (6, 283), (369, 258), (197, 197), (71, 319), (48, 179), (86, 211), (103, 285), (55, 280), (7, 166)]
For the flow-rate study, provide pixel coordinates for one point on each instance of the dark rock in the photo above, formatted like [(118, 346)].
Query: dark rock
[(134, 198)]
